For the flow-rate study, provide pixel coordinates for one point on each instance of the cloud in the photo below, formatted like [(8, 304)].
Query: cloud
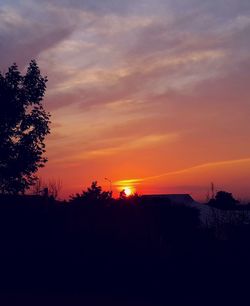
[(182, 171), (128, 145), (28, 29), (103, 7), (117, 57)]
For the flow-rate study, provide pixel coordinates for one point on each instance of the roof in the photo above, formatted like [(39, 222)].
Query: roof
[(173, 198)]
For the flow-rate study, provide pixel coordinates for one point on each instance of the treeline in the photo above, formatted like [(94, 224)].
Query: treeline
[(129, 247)]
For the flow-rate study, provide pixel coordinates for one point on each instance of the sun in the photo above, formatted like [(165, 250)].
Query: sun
[(128, 191)]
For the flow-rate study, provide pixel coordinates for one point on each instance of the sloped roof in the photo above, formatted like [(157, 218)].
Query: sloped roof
[(174, 198)]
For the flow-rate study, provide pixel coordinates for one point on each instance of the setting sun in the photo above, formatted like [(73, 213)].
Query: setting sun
[(128, 191)]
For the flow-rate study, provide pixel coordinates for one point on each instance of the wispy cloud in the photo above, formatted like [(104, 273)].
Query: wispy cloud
[(137, 181)]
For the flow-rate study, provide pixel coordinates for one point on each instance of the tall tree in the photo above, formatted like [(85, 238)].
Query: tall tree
[(23, 126)]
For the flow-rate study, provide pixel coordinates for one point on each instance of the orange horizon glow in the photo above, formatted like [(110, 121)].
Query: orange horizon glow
[(218, 172)]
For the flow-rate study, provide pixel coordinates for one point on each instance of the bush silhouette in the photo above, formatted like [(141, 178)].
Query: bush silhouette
[(93, 194), (223, 199)]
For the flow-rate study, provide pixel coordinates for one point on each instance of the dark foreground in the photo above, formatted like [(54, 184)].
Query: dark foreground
[(126, 253)]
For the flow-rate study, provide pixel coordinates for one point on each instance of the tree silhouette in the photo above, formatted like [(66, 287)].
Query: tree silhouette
[(122, 195), (23, 126), (93, 194), (223, 199)]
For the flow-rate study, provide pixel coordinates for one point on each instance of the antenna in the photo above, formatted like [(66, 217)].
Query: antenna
[(212, 190), (208, 196)]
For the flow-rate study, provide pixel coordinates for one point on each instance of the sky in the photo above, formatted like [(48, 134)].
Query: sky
[(151, 94)]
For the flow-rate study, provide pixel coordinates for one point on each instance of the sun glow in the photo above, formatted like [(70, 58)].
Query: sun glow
[(128, 191)]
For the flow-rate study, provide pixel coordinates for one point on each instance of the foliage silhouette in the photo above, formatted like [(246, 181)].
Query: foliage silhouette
[(23, 126), (122, 195), (52, 187), (143, 249), (224, 200), (93, 194)]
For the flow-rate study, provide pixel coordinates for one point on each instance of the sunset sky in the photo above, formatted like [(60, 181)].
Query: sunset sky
[(152, 94)]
